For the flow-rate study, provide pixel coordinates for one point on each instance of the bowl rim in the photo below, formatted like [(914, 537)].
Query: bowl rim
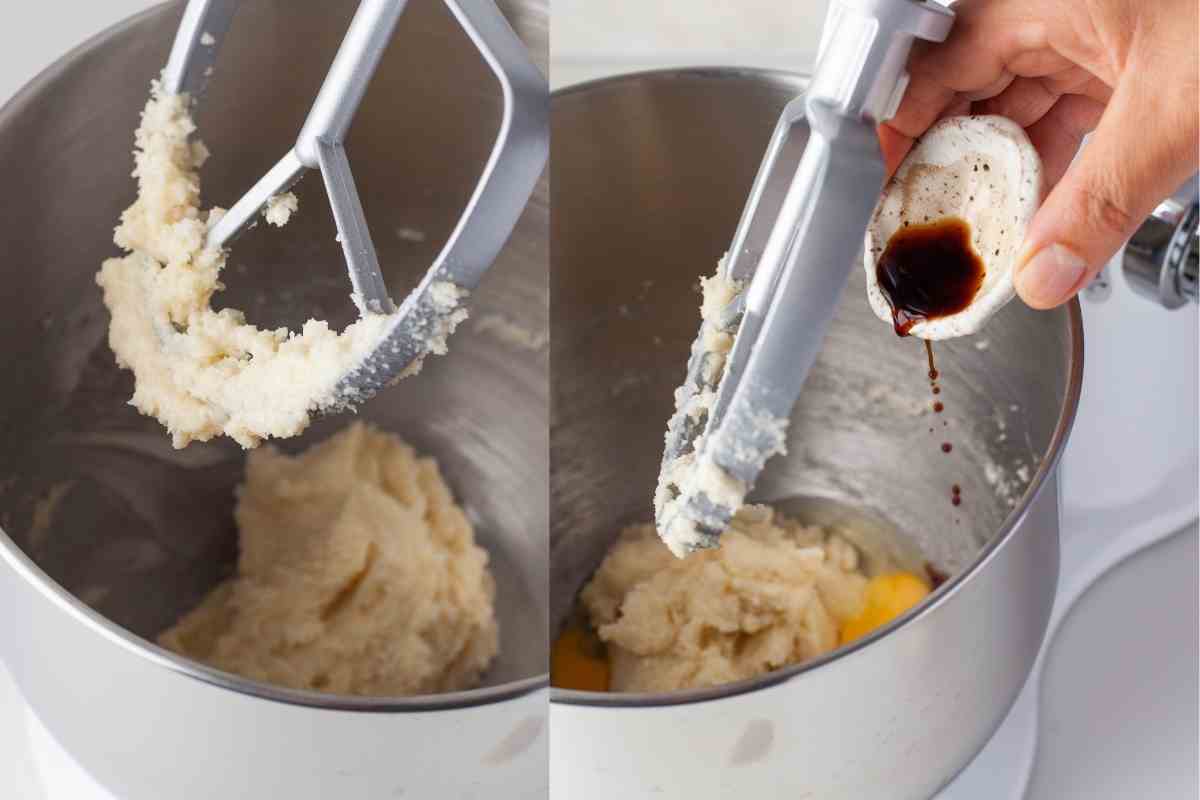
[(95, 623), (1047, 467)]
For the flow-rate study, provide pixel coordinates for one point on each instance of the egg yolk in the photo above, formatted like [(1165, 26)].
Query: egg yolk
[(888, 596), (577, 663)]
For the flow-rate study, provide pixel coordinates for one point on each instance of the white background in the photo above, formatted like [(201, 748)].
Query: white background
[(592, 38)]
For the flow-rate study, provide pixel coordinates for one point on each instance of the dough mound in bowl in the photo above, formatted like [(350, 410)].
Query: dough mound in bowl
[(358, 574), (775, 593)]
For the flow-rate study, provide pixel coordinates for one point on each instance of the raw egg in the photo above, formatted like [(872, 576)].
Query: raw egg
[(577, 661), (888, 596)]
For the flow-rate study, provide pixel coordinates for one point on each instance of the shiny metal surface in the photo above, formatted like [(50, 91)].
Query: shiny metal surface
[(193, 55), (1162, 258), (140, 532), (648, 184)]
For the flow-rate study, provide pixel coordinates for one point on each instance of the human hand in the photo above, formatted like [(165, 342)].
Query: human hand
[(1127, 69)]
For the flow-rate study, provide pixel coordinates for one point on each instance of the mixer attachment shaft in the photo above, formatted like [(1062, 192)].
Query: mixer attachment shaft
[(516, 160), (797, 240)]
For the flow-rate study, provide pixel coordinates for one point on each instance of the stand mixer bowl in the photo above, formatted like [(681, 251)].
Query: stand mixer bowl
[(650, 174), (107, 535)]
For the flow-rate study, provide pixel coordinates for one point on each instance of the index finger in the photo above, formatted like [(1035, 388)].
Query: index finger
[(991, 42)]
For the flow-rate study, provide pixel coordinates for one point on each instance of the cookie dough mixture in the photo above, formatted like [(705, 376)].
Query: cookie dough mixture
[(202, 372), (775, 593), (682, 476), (358, 574)]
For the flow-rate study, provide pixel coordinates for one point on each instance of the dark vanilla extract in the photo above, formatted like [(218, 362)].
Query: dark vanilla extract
[(929, 271)]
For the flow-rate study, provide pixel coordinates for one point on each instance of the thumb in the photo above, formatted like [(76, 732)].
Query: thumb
[(1139, 154)]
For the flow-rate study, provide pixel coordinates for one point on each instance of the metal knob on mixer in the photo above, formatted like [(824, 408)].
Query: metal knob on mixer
[(1162, 258)]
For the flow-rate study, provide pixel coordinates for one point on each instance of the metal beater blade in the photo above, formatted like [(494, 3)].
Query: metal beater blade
[(797, 240), (512, 169)]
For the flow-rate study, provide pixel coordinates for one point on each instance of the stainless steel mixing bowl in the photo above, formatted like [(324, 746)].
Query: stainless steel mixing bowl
[(109, 534), (650, 173)]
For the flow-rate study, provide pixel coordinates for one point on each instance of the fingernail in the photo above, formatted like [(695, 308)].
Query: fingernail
[(1049, 276)]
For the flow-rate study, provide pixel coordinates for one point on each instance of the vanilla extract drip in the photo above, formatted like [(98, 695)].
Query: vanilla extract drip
[(938, 407), (927, 272)]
